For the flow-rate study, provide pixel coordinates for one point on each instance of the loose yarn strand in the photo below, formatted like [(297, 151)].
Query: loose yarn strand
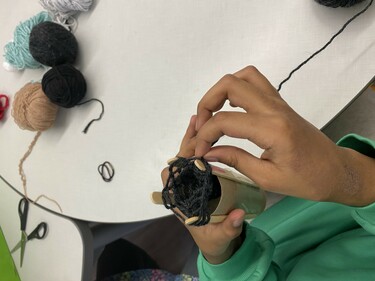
[(50, 199), (23, 176), (85, 130), (107, 171), (70, 24), (23, 159), (325, 46)]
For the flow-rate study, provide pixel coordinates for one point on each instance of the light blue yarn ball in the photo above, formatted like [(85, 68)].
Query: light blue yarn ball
[(16, 52)]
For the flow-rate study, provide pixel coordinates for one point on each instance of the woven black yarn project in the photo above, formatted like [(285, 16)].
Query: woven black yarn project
[(338, 3), (64, 85), (51, 44), (189, 189)]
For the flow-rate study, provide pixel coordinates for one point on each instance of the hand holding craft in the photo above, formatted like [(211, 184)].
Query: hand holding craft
[(217, 241), (297, 160)]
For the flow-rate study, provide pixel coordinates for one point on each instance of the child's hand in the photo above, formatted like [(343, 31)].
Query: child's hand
[(297, 160), (216, 241)]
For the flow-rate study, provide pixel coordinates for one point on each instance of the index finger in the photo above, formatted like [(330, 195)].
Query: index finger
[(243, 89)]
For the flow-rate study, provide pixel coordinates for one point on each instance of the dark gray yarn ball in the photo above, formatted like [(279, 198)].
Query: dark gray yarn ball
[(338, 3), (51, 44)]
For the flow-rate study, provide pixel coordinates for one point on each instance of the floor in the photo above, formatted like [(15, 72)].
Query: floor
[(357, 118), (169, 243), (165, 241)]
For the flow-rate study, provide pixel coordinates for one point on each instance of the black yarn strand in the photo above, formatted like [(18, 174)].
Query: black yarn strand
[(325, 46), (85, 130), (107, 171)]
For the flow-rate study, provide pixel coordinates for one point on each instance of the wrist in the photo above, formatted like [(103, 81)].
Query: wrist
[(356, 185), (229, 251)]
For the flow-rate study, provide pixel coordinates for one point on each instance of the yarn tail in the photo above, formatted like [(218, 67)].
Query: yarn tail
[(86, 129), (325, 46), (23, 176), (23, 159)]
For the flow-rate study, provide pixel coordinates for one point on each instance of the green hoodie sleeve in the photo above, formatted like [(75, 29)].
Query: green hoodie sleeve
[(242, 265), (365, 216), (302, 240)]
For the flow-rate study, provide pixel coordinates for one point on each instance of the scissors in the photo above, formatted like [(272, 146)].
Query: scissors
[(39, 232)]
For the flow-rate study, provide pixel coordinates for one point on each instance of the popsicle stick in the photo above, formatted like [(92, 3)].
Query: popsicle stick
[(170, 161), (216, 219), (250, 216), (199, 164), (213, 219), (156, 198), (230, 176)]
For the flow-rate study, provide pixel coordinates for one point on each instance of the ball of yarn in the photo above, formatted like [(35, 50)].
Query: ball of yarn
[(32, 110), (66, 8), (51, 44), (338, 3), (64, 85), (16, 52)]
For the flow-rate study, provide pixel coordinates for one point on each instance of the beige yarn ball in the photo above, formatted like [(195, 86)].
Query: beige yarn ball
[(32, 110)]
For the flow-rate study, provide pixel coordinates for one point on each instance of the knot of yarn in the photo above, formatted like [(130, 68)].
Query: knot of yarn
[(16, 52), (338, 3), (51, 44), (32, 110), (107, 171), (64, 85), (64, 9), (189, 189)]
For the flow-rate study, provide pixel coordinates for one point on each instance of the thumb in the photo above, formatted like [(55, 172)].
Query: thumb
[(232, 225)]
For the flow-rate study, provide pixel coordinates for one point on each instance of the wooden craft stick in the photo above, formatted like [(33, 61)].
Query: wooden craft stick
[(199, 164), (213, 219), (216, 219), (230, 176), (156, 198), (170, 161)]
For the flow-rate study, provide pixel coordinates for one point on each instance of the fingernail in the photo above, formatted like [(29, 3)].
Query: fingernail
[(197, 124), (218, 169), (192, 119), (237, 223), (211, 159)]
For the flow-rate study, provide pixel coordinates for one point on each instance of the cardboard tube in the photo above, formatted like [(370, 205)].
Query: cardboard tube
[(237, 192)]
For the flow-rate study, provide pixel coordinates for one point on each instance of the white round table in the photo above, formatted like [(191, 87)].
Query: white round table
[(150, 62)]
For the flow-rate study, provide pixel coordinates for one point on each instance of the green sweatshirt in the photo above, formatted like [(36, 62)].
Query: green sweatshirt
[(301, 240)]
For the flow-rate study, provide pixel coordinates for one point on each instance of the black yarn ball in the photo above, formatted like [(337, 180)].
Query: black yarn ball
[(338, 3), (51, 44), (64, 85)]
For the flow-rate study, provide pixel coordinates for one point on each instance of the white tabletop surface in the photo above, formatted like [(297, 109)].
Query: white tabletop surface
[(150, 62), (59, 256)]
